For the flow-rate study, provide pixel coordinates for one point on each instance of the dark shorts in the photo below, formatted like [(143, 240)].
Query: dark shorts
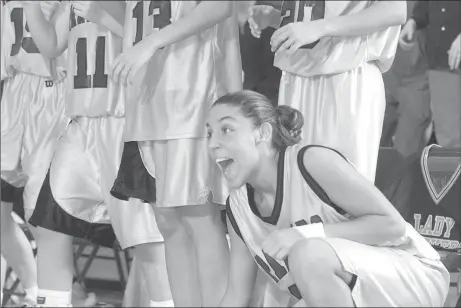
[(10, 193), (133, 180), (49, 215)]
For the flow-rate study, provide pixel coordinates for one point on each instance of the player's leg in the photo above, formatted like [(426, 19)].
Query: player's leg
[(20, 95), (179, 249), (190, 223), (135, 225), (180, 259), (364, 276), (69, 204), (133, 220), (445, 98), (55, 250), (135, 294), (415, 115), (204, 225), (324, 265), (16, 249), (152, 264), (2, 277), (55, 267), (391, 116)]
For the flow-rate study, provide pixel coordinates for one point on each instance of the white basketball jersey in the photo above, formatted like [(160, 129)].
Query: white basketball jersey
[(185, 78), (299, 201), (91, 50), (333, 55), (18, 49)]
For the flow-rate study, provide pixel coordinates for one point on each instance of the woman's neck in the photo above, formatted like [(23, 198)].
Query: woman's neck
[(264, 181)]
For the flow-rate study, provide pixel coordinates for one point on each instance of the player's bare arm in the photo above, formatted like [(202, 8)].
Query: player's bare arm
[(242, 273), (375, 221), (206, 15), (261, 17), (232, 52), (377, 17), (49, 36), (110, 14)]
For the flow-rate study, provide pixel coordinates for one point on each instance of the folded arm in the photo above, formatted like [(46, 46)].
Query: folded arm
[(377, 17), (375, 220), (203, 17), (49, 36)]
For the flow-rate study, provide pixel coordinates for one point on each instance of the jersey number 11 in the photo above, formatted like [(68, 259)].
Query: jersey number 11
[(99, 79)]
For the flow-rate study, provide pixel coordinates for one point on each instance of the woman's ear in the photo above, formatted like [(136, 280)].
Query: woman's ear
[(265, 132)]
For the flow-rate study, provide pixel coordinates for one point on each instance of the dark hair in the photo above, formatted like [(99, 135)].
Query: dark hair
[(286, 122)]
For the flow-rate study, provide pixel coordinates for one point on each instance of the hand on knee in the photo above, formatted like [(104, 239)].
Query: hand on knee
[(314, 264)]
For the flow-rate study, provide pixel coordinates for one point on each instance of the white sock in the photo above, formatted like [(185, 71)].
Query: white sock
[(32, 293), (1, 298), (51, 298), (162, 304)]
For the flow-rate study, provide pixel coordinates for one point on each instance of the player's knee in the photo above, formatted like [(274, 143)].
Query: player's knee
[(47, 237), (167, 221), (313, 258), (150, 252), (205, 221)]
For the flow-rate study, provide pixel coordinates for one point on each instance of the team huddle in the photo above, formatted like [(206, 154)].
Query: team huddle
[(126, 124)]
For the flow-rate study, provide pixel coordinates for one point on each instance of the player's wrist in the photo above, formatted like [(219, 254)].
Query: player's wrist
[(275, 19), (315, 230), (411, 23)]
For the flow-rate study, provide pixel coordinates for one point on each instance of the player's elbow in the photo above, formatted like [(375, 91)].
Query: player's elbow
[(50, 52), (48, 48), (396, 227), (225, 10), (396, 12)]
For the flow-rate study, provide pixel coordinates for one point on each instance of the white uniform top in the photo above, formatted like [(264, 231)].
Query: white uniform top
[(299, 201), (91, 50), (187, 77), (333, 55), (18, 49)]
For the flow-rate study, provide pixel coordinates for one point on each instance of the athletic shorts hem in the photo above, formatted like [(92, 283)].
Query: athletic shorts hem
[(133, 180), (10, 193), (49, 215), (204, 200), (148, 240)]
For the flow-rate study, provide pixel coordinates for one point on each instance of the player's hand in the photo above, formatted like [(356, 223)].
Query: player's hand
[(454, 54), (90, 10), (259, 18), (127, 64), (407, 35), (279, 243), (49, 8), (292, 36)]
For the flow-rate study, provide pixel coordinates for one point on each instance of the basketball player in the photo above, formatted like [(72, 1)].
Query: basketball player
[(75, 199), (332, 55), (303, 214), (32, 121), (189, 58)]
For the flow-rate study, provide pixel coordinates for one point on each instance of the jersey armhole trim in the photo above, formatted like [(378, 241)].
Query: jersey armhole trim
[(316, 188), (232, 219)]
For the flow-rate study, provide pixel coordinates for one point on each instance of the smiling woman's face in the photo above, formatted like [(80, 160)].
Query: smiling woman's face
[(232, 143)]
